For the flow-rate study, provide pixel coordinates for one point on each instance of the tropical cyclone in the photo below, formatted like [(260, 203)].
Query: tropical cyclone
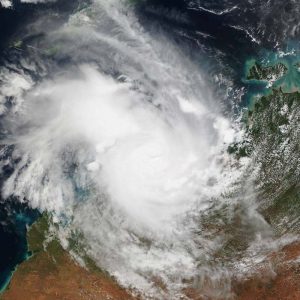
[(121, 143), (116, 133)]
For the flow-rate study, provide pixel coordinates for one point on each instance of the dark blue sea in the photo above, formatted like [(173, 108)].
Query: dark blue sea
[(217, 36), (14, 220)]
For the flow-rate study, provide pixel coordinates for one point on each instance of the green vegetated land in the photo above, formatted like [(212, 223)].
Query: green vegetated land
[(259, 72), (273, 131)]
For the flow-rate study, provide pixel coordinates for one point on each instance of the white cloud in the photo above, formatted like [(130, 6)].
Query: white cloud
[(122, 158), (6, 3), (9, 4)]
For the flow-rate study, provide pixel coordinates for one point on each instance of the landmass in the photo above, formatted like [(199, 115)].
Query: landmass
[(277, 278), (271, 125), (267, 73), (272, 138), (297, 65), (51, 273)]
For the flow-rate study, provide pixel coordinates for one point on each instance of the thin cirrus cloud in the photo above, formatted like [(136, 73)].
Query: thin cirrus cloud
[(121, 145)]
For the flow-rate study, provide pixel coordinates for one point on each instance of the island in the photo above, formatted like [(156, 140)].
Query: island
[(267, 73)]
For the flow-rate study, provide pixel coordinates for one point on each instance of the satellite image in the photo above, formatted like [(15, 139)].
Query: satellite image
[(150, 149)]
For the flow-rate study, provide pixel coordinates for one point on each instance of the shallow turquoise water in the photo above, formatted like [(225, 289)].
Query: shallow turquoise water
[(289, 82), (14, 220)]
